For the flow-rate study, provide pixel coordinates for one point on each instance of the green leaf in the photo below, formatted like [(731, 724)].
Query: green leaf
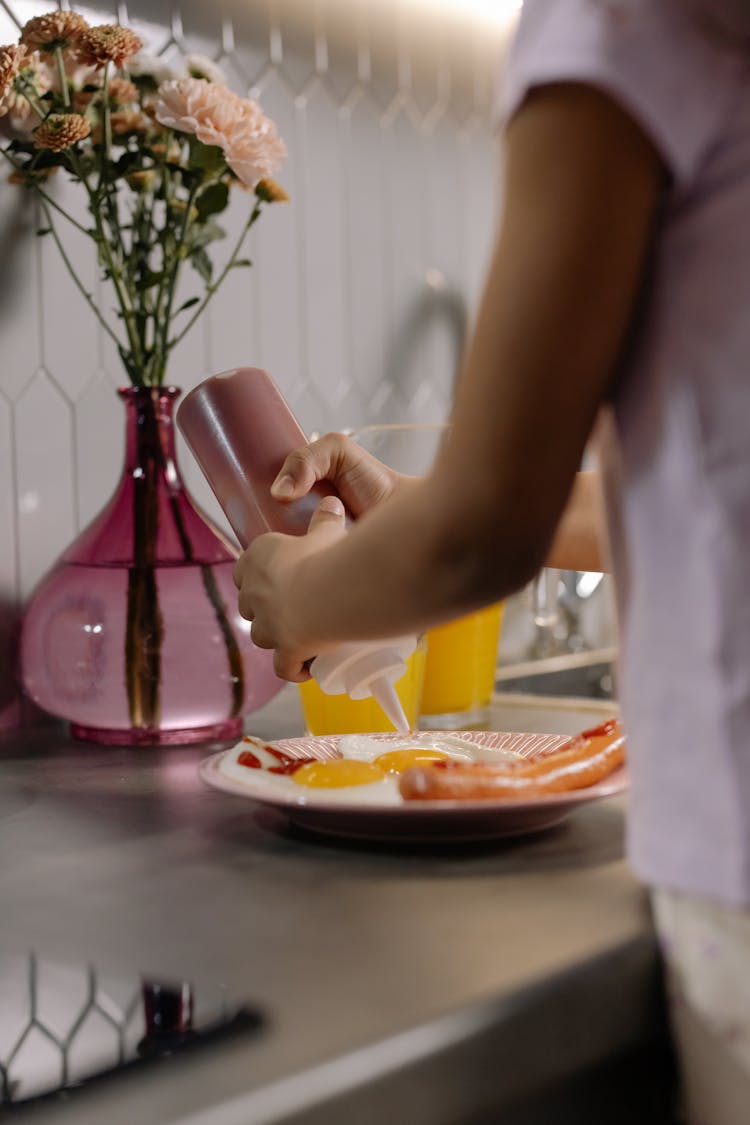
[(205, 233), (209, 158), (22, 146), (241, 263), (44, 230), (212, 200), (201, 263), (187, 305), (126, 163), (148, 279)]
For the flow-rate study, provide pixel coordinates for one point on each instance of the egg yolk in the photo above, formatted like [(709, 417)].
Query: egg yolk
[(338, 773), (396, 761)]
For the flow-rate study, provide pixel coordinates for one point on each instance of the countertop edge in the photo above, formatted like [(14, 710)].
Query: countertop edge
[(500, 1049)]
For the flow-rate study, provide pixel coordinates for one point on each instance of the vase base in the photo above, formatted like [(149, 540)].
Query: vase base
[(229, 729)]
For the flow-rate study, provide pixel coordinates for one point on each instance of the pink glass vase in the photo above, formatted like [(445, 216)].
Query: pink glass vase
[(134, 635)]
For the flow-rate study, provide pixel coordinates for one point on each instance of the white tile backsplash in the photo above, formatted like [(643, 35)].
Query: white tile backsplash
[(361, 286)]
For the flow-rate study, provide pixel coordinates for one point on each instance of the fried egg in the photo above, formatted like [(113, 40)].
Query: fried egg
[(367, 772)]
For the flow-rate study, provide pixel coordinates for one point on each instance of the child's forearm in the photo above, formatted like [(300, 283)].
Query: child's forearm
[(580, 541)]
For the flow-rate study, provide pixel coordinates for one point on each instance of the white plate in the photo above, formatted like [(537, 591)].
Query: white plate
[(408, 821)]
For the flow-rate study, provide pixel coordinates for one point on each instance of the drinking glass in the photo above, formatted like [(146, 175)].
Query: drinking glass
[(459, 671)]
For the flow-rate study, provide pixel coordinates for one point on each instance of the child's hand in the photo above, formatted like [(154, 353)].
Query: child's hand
[(356, 476), (266, 575)]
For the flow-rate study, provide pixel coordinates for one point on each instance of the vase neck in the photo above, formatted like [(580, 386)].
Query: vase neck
[(149, 428), (150, 520)]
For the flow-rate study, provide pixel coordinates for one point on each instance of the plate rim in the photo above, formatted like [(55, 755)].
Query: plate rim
[(616, 783)]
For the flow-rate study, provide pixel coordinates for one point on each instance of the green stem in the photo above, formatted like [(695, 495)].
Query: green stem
[(79, 284), (135, 262), (166, 181), (165, 312), (211, 289), (144, 631), (126, 307), (63, 77)]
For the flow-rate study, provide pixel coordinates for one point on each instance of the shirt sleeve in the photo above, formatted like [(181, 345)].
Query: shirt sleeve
[(652, 56)]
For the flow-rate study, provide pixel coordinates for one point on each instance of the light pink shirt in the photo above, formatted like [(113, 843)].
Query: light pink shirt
[(678, 470)]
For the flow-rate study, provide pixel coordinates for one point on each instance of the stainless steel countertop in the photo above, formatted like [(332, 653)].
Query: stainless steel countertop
[(369, 960)]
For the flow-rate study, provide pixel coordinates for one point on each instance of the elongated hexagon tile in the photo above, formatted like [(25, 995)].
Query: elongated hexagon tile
[(8, 542), (232, 315), (276, 249), (366, 176), (20, 312), (446, 219), (298, 23), (479, 166), (72, 361), (99, 446), (322, 254), (255, 40), (44, 476)]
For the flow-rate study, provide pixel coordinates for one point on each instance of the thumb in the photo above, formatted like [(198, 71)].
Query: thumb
[(329, 517), (296, 476)]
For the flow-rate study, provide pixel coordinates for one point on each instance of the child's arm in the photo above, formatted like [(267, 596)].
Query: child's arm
[(583, 186), (580, 542), (362, 482)]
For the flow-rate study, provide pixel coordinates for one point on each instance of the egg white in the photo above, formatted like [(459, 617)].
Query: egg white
[(275, 785), (365, 748), (361, 748)]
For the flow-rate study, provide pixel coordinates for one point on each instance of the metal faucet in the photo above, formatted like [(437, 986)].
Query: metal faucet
[(558, 598)]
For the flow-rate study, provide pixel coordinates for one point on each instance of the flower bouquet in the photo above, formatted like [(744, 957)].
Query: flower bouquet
[(157, 155)]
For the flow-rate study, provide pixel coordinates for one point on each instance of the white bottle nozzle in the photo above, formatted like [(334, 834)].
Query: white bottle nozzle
[(367, 669), (386, 696)]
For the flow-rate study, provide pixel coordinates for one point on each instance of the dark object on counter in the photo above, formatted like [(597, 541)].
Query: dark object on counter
[(65, 1027), (168, 1015)]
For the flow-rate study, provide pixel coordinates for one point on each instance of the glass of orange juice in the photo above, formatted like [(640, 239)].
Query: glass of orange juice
[(338, 714), (459, 670), (459, 674)]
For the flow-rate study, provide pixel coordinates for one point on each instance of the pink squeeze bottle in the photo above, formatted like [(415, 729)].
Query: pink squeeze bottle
[(240, 431)]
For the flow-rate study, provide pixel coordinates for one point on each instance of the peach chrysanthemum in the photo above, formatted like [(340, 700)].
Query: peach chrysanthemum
[(121, 91), (108, 43), (55, 29), (13, 60), (129, 121), (217, 116), (61, 130), (32, 81)]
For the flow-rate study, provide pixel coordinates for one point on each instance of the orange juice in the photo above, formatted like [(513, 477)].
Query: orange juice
[(338, 714), (459, 673)]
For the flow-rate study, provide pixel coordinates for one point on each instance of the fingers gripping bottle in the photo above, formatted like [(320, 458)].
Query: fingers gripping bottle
[(240, 430)]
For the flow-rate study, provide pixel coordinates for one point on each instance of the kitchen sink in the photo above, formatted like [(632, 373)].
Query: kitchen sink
[(580, 675)]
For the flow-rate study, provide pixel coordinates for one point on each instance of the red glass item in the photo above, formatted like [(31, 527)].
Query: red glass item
[(134, 636)]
